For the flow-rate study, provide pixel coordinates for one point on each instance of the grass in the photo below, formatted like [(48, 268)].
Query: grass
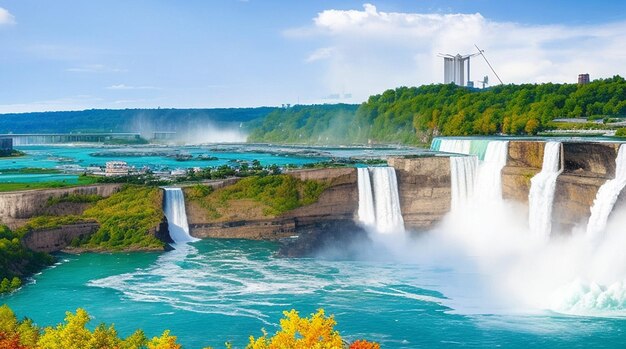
[(82, 180), (257, 197), (30, 170)]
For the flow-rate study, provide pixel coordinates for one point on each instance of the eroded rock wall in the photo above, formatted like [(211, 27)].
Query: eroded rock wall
[(17, 207), (424, 188)]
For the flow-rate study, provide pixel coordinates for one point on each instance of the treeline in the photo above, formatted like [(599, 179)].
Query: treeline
[(294, 332), (307, 124), (414, 115), (17, 261), (124, 120)]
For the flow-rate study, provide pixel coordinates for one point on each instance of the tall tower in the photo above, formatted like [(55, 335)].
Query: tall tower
[(454, 69)]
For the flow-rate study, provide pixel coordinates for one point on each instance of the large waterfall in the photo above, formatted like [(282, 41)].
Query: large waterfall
[(474, 181), (379, 202), (542, 189), (607, 196), (176, 215)]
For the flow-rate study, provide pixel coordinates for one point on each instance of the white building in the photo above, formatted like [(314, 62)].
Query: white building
[(116, 168)]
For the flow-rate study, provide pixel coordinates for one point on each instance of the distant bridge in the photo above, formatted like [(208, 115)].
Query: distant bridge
[(52, 138)]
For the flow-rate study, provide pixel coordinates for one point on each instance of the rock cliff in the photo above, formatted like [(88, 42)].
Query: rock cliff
[(424, 188), (17, 207)]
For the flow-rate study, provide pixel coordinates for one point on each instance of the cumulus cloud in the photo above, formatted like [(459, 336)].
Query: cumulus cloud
[(366, 51), (6, 17)]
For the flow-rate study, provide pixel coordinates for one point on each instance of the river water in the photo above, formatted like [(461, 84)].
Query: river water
[(212, 291)]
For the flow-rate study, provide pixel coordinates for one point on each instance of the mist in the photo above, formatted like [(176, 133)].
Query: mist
[(190, 131), (507, 269)]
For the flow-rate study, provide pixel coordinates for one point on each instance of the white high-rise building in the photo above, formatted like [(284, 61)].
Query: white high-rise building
[(454, 69)]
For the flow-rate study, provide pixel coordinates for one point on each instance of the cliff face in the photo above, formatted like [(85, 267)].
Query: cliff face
[(18, 206), (52, 240), (586, 166), (524, 160), (424, 188), (337, 203)]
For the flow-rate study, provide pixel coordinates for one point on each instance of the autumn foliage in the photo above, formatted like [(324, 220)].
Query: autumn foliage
[(315, 332)]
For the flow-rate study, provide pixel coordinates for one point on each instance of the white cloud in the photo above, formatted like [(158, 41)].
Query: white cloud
[(6, 17), (367, 51), (79, 102), (126, 87), (95, 68)]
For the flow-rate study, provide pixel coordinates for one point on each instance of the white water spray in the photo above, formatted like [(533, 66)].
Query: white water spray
[(542, 188), (607, 196), (379, 201), (176, 215)]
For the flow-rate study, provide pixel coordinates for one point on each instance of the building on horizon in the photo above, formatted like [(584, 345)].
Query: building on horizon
[(583, 79)]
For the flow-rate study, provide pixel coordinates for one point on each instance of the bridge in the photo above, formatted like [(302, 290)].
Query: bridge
[(54, 138)]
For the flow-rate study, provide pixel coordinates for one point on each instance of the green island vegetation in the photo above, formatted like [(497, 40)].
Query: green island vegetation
[(272, 195), (125, 219), (11, 154), (16, 261), (415, 115), (295, 332)]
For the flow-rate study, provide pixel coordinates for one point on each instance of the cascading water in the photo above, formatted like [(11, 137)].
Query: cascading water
[(462, 179), (607, 196), (366, 212), (459, 146), (542, 189), (488, 188), (379, 201), (176, 215)]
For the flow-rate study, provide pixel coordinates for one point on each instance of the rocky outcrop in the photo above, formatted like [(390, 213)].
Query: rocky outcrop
[(524, 160), (17, 207), (56, 239), (337, 203), (424, 188)]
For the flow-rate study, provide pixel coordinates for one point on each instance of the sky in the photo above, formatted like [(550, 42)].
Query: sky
[(76, 54)]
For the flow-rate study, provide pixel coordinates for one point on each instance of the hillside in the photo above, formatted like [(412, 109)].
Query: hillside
[(125, 120), (413, 115)]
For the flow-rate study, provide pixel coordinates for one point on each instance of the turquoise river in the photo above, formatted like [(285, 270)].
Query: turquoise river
[(212, 291)]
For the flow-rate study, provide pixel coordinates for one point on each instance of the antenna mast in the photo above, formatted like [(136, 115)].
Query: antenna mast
[(489, 64)]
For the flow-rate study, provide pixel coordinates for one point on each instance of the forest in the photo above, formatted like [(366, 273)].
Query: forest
[(413, 115), (125, 120)]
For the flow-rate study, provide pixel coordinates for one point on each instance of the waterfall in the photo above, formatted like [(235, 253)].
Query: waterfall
[(459, 146), (488, 188), (607, 196), (366, 198), (476, 147), (379, 201), (462, 180), (542, 189), (176, 215)]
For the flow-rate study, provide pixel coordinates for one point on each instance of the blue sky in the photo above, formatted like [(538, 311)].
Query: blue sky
[(75, 54)]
